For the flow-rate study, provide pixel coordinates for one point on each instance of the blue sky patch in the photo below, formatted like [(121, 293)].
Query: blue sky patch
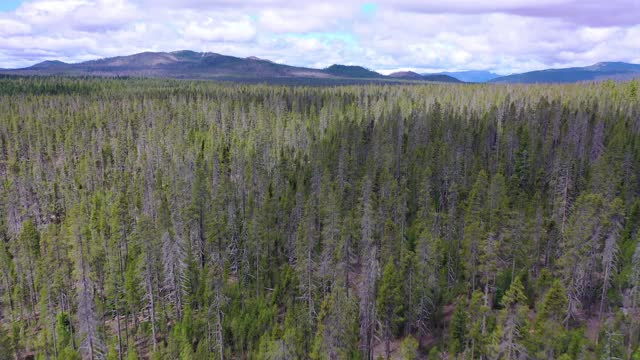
[(9, 5), (369, 8)]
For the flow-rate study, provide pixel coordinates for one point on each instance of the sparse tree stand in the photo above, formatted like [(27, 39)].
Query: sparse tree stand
[(163, 219)]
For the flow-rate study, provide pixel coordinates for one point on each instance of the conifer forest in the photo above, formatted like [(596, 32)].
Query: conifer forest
[(175, 219)]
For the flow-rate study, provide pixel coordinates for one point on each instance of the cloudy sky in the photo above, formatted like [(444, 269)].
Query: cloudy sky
[(424, 35)]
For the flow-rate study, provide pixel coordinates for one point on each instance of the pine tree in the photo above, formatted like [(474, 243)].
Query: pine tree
[(475, 226), (389, 304), (554, 304), (92, 345), (8, 281), (552, 311), (512, 328), (27, 254), (149, 258), (337, 327), (369, 257), (611, 248), (478, 314), (578, 261), (409, 348), (459, 329)]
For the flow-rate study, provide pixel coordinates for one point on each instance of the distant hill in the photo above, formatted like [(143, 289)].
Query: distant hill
[(186, 64), (50, 64), (441, 78), (599, 71), (477, 76), (406, 75), (351, 71), (410, 75)]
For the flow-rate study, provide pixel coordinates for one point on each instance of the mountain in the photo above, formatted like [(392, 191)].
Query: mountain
[(187, 64), (406, 75), (410, 75), (50, 64), (477, 76), (596, 72), (441, 78), (599, 71), (350, 71), (178, 64)]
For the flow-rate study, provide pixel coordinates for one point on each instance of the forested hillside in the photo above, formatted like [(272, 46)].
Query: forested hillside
[(191, 220)]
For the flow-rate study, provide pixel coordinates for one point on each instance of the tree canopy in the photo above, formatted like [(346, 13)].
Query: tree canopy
[(194, 220)]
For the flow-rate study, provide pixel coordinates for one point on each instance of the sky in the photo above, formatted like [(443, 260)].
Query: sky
[(504, 36)]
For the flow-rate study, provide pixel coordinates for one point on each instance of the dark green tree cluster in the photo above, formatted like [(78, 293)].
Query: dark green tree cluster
[(193, 220)]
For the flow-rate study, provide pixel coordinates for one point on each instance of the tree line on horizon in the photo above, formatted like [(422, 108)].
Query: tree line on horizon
[(193, 220)]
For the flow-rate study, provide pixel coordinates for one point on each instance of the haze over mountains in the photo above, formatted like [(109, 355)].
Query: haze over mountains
[(188, 64)]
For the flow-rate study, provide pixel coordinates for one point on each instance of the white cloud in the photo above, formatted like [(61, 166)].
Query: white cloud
[(12, 27), (310, 17), (220, 30), (82, 15)]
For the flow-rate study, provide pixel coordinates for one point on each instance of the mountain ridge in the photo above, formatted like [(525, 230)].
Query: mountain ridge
[(614, 70), (188, 64)]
